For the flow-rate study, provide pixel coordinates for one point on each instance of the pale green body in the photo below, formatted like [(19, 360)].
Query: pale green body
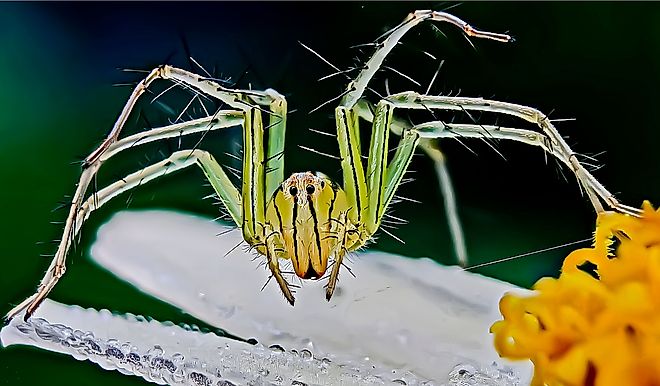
[(318, 222)]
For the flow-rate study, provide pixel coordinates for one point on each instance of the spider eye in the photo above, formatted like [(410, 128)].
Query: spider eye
[(310, 189), (293, 190)]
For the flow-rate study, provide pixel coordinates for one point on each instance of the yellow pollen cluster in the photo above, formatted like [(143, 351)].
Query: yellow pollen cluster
[(598, 327)]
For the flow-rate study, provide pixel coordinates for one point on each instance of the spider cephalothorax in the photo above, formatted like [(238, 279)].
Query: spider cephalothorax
[(307, 221), (308, 218)]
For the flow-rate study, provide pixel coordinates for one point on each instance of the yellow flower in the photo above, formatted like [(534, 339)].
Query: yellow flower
[(599, 327)]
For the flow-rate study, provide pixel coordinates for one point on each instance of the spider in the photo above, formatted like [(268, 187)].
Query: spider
[(307, 218)]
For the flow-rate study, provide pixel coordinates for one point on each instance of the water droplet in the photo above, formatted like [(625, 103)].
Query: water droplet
[(133, 358), (114, 352), (155, 351), (199, 379)]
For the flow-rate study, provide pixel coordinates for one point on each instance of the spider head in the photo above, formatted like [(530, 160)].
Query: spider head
[(303, 188), (307, 211)]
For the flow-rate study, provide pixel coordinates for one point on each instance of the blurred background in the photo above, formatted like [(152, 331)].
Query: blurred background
[(596, 62)]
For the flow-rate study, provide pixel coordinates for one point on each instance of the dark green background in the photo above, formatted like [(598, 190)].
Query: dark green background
[(597, 62)]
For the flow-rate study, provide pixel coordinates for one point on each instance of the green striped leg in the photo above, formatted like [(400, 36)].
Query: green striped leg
[(74, 222), (243, 100), (376, 166), (348, 136), (261, 174), (180, 159), (355, 187), (352, 98), (233, 98), (356, 88), (253, 189), (276, 131), (271, 250), (382, 180), (364, 193), (177, 161), (555, 143), (249, 101), (261, 178), (366, 111), (254, 184)]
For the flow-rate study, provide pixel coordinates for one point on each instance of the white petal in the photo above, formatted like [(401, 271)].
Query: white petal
[(400, 313)]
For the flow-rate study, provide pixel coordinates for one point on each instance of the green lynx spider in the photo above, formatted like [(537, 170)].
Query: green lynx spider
[(307, 218)]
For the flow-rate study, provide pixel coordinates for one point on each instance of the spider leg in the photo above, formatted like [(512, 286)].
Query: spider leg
[(247, 101), (276, 134), (355, 187), (253, 190), (356, 88), (233, 98), (273, 265), (365, 110), (250, 101), (222, 119), (364, 193), (339, 253), (377, 163), (449, 199), (181, 159), (348, 136), (367, 197), (255, 187), (555, 143)]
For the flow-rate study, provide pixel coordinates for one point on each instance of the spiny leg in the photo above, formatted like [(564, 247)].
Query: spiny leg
[(340, 252), (223, 119), (253, 190), (234, 98), (354, 92), (449, 199), (225, 190), (220, 120), (249, 101), (348, 136), (255, 187), (355, 187), (376, 166), (356, 88), (243, 100), (273, 265), (222, 185), (365, 110), (364, 195), (276, 135), (439, 129), (559, 147), (549, 139), (231, 97)]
